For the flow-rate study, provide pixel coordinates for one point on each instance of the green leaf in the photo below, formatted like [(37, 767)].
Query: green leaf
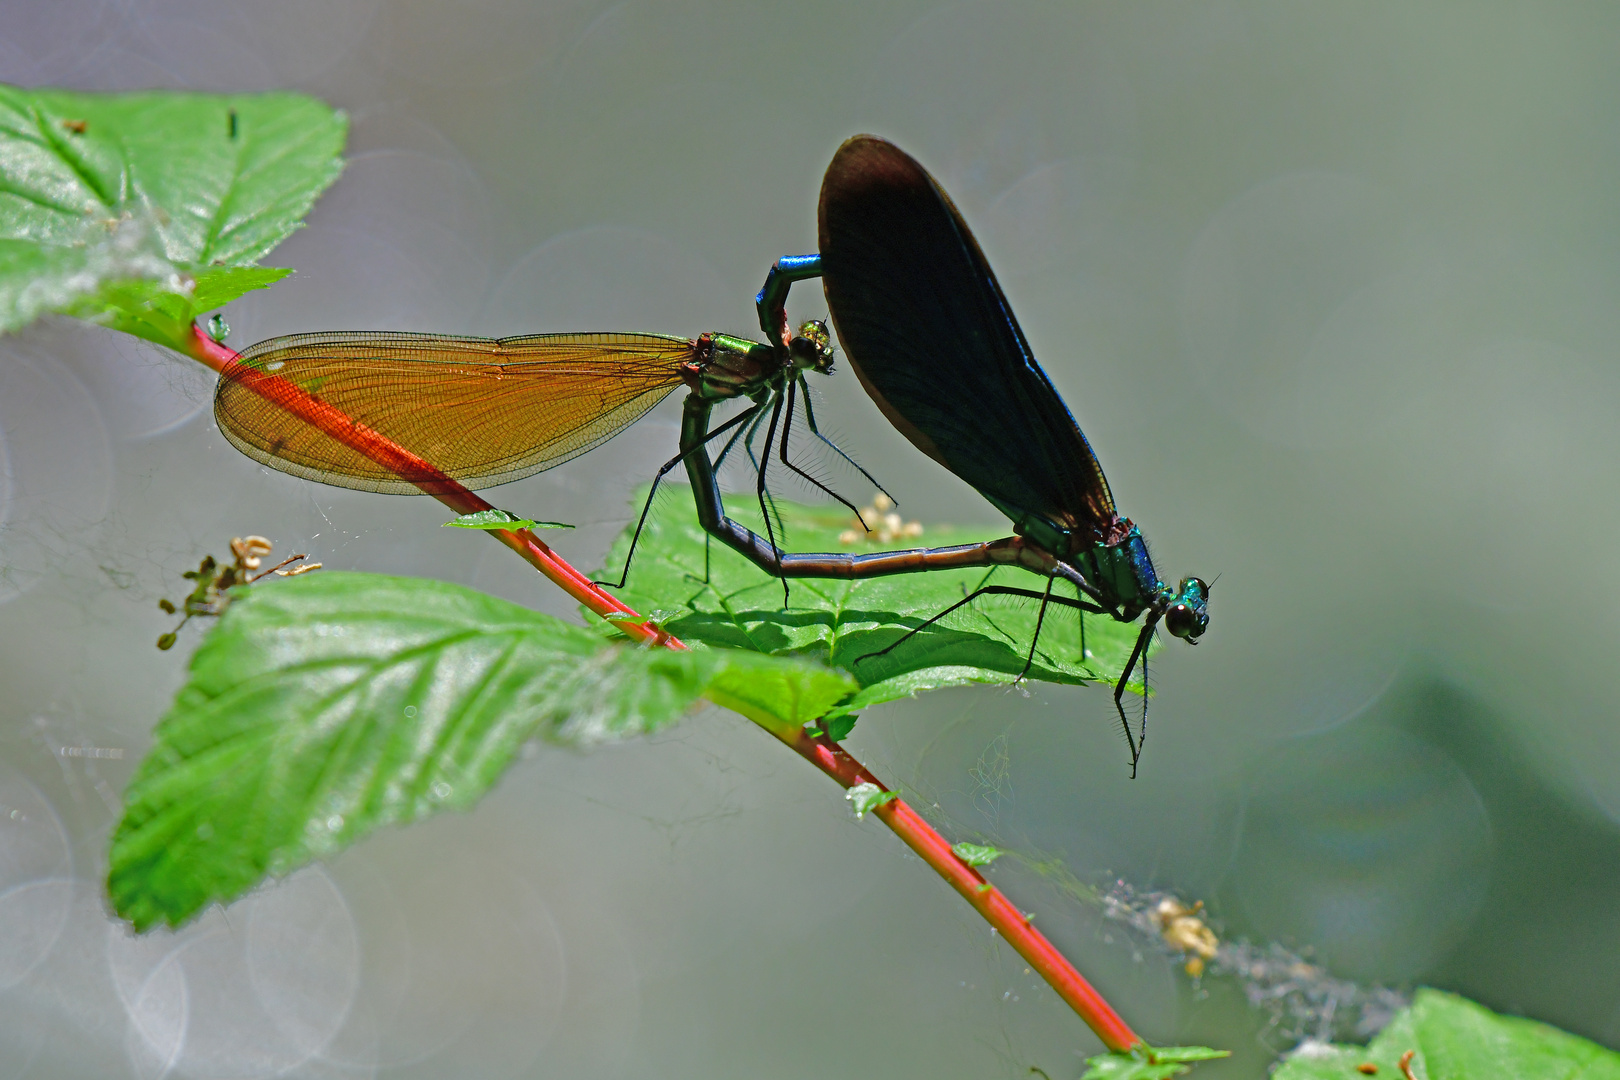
[(976, 854), (838, 728), (776, 696), (739, 606), (1457, 1039), (142, 211), (322, 707), (1148, 1063), (501, 519), (157, 311), (867, 797)]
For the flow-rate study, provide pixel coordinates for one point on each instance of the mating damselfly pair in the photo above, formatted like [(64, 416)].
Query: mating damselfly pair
[(921, 319)]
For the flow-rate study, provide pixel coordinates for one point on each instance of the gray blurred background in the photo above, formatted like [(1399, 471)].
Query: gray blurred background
[(1331, 289)]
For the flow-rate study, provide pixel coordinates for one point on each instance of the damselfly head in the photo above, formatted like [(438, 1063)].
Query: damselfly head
[(1188, 616), (812, 347)]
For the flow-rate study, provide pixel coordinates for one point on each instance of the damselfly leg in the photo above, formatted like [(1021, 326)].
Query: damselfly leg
[(1138, 654), (663, 471)]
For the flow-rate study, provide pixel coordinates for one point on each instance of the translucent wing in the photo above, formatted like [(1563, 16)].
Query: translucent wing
[(482, 411), (931, 337)]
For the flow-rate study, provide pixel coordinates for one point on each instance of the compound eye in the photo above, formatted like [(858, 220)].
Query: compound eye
[(812, 348), (816, 331), (1186, 620)]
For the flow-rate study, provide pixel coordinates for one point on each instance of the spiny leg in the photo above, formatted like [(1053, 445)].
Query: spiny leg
[(748, 441), (725, 450), (787, 426), (770, 534), (986, 590), (1140, 652), (748, 436), (749, 430), (746, 433), (1085, 653), (1040, 617), (635, 537), (662, 472), (769, 507), (810, 420)]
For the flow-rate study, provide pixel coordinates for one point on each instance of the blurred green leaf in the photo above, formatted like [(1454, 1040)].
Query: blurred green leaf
[(1457, 1039), (739, 606), (322, 707), (142, 211), (1148, 1063)]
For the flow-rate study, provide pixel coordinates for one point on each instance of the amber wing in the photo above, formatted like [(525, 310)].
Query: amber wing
[(481, 411)]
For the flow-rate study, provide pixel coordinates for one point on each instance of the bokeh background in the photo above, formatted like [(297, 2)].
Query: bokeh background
[(1331, 288)]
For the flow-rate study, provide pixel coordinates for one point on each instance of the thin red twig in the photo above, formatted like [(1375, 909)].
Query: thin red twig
[(1015, 926), (985, 898)]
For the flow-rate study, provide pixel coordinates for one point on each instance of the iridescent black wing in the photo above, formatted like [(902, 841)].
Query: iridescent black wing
[(932, 339)]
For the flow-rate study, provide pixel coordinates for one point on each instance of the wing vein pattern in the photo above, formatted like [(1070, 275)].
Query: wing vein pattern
[(483, 411)]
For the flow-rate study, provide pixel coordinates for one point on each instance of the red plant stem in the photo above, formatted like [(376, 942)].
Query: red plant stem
[(386, 452), (823, 753), (989, 901)]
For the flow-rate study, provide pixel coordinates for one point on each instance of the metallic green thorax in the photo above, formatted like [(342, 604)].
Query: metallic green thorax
[(725, 367), (1124, 573)]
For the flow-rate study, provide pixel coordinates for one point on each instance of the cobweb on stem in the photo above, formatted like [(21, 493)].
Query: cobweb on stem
[(1301, 999)]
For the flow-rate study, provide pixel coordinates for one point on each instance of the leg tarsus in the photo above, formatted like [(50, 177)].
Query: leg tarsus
[(635, 537), (731, 442)]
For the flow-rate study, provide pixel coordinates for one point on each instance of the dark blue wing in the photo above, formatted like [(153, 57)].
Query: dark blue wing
[(931, 337)]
